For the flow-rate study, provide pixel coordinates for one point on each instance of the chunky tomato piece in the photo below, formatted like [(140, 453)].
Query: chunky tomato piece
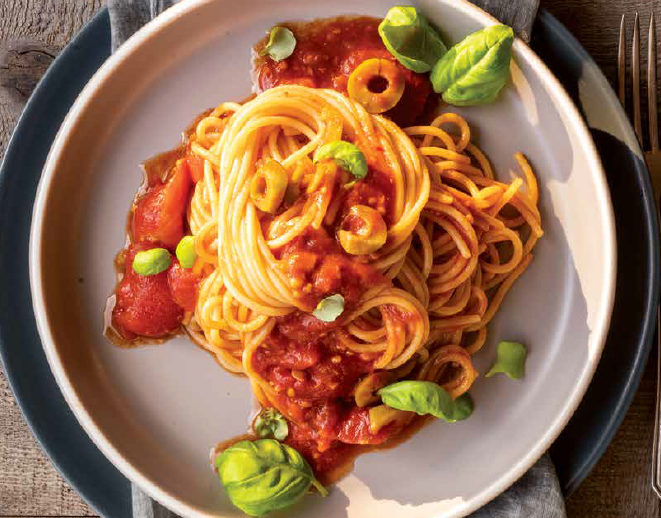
[(184, 285), (285, 354), (144, 305), (313, 370), (159, 215), (303, 327), (355, 428)]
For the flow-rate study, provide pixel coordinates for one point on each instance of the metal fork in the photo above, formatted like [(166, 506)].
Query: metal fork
[(653, 160)]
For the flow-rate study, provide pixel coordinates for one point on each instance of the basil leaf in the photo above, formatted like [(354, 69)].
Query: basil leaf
[(409, 37), (346, 155), (426, 398), (185, 252), (329, 308), (475, 69), (271, 423), (511, 360), (463, 407), (281, 44), (152, 261), (264, 475)]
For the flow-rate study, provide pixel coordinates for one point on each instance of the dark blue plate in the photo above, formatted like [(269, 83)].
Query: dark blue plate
[(99, 482)]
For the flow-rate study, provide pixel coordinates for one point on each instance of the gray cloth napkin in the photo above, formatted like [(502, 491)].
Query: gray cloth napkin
[(535, 495)]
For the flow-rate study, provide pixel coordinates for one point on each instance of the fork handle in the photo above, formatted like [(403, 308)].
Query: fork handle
[(656, 447)]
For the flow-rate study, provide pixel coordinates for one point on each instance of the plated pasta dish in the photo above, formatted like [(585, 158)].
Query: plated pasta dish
[(339, 239)]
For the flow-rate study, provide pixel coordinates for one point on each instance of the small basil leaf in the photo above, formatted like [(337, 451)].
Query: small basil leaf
[(185, 252), (463, 407), (475, 69), (152, 261), (511, 360), (281, 44), (329, 308), (421, 397), (264, 475), (346, 155), (271, 423), (409, 37)]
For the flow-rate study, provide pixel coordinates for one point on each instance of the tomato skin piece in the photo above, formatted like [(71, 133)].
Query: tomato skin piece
[(184, 285), (144, 305), (158, 216), (196, 166)]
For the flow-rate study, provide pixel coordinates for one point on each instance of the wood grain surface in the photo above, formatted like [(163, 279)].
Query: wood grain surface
[(32, 32)]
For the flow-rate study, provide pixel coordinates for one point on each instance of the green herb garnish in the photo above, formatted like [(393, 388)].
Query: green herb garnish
[(409, 37), (426, 398), (265, 475), (511, 360), (329, 308), (346, 155), (475, 69), (281, 44), (271, 423)]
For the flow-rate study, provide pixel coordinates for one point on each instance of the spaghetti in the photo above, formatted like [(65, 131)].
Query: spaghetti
[(416, 308)]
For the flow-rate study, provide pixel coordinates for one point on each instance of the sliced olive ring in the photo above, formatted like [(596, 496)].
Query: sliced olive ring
[(377, 84), (268, 186), (363, 231)]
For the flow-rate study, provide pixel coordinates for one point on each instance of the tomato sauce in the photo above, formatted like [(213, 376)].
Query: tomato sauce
[(154, 306), (144, 304), (312, 374), (314, 378), (326, 53), (319, 267), (376, 190)]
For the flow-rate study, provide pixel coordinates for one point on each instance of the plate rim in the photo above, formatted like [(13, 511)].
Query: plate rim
[(97, 435), (648, 320)]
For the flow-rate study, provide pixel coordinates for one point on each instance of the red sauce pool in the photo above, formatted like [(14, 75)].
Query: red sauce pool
[(326, 53)]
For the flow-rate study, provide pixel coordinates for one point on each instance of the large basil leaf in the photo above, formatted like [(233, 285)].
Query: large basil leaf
[(511, 360), (426, 398), (409, 37), (475, 69), (264, 475), (271, 423)]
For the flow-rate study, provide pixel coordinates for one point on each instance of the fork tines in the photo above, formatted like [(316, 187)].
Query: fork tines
[(635, 81)]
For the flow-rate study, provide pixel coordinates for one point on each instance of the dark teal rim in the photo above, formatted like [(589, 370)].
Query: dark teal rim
[(50, 419), (43, 406), (630, 337)]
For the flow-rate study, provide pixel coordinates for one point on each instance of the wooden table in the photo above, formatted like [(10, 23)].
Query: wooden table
[(31, 34)]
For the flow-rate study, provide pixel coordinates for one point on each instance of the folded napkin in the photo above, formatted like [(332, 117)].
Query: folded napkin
[(537, 494)]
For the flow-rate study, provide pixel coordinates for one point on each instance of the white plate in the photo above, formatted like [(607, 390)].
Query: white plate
[(156, 411)]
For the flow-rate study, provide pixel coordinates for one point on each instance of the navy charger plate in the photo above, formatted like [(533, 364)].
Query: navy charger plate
[(103, 487)]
